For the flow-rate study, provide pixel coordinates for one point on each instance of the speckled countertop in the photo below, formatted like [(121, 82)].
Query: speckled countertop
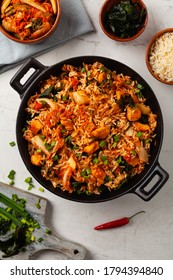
[(149, 236)]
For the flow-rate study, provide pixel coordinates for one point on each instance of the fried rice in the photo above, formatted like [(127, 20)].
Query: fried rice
[(89, 129)]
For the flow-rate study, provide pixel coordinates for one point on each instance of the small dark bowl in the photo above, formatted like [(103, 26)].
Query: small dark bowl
[(108, 4), (39, 39), (148, 54)]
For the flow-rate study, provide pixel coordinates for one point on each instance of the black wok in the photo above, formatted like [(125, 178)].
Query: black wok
[(145, 185)]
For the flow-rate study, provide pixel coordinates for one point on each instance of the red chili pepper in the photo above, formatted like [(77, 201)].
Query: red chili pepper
[(117, 223)]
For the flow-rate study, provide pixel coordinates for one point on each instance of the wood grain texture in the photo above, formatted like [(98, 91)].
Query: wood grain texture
[(70, 250)]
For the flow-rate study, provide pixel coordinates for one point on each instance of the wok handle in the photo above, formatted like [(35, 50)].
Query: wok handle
[(31, 64), (161, 177)]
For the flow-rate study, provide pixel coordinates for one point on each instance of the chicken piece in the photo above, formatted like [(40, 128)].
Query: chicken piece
[(90, 149), (67, 124), (144, 108), (101, 132), (141, 127), (36, 159), (101, 77), (80, 97), (35, 126), (118, 94), (133, 113), (99, 174)]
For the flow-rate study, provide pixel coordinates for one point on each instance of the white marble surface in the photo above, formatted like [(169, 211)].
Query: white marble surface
[(149, 236)]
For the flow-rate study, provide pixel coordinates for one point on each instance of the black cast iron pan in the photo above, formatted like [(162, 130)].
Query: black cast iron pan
[(153, 175)]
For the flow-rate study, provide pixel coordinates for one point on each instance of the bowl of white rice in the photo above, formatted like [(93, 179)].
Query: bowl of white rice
[(159, 56)]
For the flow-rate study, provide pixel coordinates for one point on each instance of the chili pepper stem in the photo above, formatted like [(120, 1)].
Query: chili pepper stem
[(135, 214)]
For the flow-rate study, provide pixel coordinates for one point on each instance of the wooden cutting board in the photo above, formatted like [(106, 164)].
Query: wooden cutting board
[(68, 249)]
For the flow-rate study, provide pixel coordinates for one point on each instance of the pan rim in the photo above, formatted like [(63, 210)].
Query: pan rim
[(97, 198)]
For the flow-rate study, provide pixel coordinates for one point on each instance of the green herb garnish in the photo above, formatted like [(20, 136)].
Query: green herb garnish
[(28, 180), (40, 239), (11, 174), (103, 144), (12, 144), (139, 134), (16, 225), (86, 172), (46, 93), (38, 203), (55, 158), (83, 70), (48, 231), (95, 160)]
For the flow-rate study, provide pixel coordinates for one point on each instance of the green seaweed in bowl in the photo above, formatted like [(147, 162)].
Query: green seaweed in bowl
[(125, 19)]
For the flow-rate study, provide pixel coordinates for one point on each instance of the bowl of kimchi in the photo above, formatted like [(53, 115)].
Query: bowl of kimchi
[(29, 21)]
